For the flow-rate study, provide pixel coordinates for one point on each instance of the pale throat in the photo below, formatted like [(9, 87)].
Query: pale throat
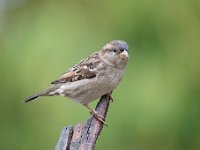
[(105, 60)]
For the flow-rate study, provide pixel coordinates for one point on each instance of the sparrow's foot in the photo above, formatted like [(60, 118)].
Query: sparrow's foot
[(95, 114), (109, 96)]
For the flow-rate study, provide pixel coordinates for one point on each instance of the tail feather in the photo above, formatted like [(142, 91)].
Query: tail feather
[(47, 92), (33, 97)]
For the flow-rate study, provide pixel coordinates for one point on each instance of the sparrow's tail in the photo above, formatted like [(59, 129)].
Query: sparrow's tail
[(35, 96)]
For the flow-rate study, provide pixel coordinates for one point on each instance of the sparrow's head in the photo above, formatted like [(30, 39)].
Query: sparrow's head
[(115, 53)]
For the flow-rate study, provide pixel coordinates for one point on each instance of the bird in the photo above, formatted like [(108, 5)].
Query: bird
[(98, 74)]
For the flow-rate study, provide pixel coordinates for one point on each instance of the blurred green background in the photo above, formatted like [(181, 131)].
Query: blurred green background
[(156, 106)]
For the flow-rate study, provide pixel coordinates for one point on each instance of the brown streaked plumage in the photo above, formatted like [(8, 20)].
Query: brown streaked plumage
[(92, 77), (84, 69)]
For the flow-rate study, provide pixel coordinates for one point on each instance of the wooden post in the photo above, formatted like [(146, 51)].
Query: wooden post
[(84, 135)]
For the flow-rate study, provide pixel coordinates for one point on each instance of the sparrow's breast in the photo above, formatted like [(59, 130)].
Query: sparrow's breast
[(87, 90)]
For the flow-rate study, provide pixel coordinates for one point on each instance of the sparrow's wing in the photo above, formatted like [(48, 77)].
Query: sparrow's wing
[(86, 68)]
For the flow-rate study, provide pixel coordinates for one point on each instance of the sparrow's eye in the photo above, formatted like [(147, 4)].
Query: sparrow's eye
[(115, 50)]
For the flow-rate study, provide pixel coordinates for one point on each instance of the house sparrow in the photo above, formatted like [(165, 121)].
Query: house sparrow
[(92, 77)]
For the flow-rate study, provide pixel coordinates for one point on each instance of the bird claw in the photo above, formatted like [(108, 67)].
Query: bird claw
[(109, 96), (98, 117)]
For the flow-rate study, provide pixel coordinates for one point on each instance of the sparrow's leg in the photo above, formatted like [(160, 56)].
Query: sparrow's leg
[(95, 114), (109, 96)]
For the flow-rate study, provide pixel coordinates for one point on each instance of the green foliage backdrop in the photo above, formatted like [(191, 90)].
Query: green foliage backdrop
[(157, 105)]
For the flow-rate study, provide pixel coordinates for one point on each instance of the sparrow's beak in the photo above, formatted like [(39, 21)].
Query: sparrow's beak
[(123, 54)]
